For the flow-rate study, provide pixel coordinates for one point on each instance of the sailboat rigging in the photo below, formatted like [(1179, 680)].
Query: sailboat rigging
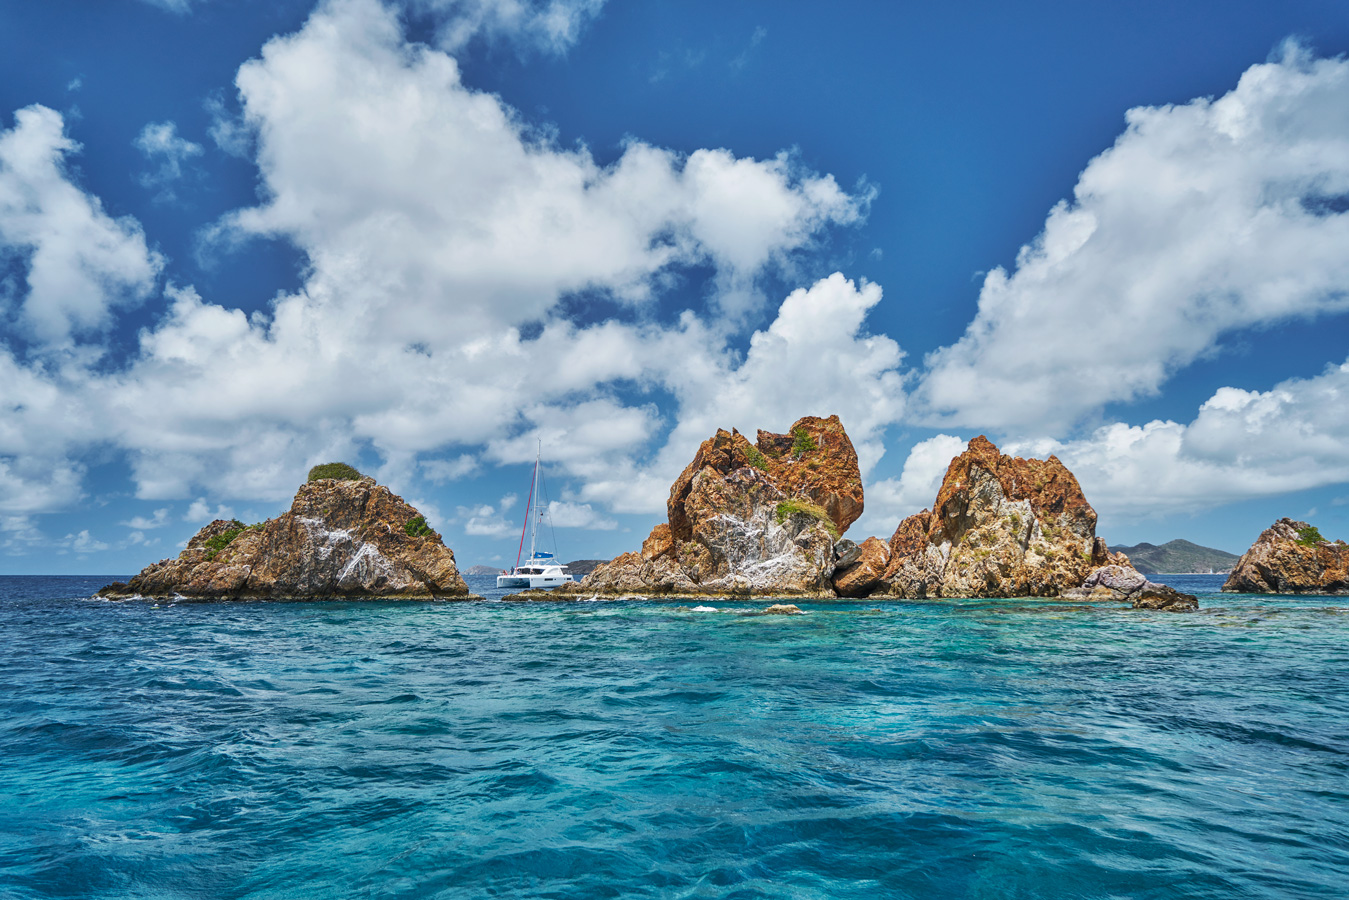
[(540, 570)]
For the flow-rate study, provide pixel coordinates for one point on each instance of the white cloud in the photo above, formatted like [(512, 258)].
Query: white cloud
[(18, 535), (565, 514), (442, 471), (200, 512), (1203, 219), (84, 543), (80, 263), (1242, 444), (549, 25), (141, 523), (890, 500), (162, 146), (437, 225), (486, 520), (815, 358)]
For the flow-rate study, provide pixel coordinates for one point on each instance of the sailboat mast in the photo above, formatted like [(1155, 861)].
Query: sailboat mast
[(534, 492), (529, 505)]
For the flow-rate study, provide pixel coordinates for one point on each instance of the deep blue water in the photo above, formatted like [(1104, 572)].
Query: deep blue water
[(998, 749)]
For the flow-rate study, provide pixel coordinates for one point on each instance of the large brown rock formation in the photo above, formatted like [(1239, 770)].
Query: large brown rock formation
[(1291, 558), (746, 518), (1003, 526), (341, 539)]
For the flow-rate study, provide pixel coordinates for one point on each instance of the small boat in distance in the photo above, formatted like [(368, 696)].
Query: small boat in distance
[(539, 570)]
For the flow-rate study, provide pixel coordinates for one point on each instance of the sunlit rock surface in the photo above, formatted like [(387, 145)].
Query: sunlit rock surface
[(341, 539), (746, 518), (1291, 557), (1003, 526)]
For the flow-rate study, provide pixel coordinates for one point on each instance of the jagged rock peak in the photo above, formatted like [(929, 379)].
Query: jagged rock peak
[(1291, 557), (1004, 526), (340, 539), (757, 518)]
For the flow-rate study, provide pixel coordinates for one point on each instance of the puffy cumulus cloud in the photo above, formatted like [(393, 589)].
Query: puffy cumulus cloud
[(1242, 444), (486, 520), (890, 500), (549, 25), (434, 208), (566, 514), (441, 235), (162, 146), (436, 227), (1202, 219), (442, 471), (815, 358), (141, 523), (200, 512), (79, 262), (82, 543)]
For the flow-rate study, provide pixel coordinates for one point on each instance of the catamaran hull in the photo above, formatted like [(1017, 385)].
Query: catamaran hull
[(531, 581)]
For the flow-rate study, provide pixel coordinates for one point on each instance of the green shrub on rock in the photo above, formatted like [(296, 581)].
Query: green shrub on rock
[(797, 506), (756, 459), (417, 527), (1310, 536), (340, 471), (802, 442), (217, 542)]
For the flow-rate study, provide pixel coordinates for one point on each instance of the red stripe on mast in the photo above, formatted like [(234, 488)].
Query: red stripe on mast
[(528, 505)]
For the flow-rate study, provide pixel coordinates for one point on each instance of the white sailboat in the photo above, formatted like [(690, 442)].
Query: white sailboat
[(539, 570)]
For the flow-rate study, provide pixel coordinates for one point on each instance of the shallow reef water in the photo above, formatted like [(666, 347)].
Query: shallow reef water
[(977, 749)]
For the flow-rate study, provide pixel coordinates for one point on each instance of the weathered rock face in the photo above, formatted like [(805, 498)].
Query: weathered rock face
[(857, 574), (749, 518), (1003, 526), (340, 539), (1290, 557), (1124, 582)]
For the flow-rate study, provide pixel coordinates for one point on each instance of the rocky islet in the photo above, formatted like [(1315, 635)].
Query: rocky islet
[(1291, 557), (744, 519), (747, 518), (342, 538)]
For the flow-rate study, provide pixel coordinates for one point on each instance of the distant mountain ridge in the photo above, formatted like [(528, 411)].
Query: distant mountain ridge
[(1178, 557)]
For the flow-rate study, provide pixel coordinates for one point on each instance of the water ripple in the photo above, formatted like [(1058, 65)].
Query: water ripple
[(992, 749)]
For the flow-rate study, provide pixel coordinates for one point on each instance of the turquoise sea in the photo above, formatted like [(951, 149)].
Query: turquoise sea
[(991, 749)]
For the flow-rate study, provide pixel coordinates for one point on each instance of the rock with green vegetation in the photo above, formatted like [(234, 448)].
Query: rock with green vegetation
[(339, 471), (1178, 557), (1291, 557), (748, 519), (1004, 526), (341, 539)]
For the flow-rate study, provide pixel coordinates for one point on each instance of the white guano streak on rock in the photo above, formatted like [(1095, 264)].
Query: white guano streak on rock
[(378, 563), (330, 539)]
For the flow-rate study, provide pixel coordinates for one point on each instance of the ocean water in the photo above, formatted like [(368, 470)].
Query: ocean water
[(992, 749)]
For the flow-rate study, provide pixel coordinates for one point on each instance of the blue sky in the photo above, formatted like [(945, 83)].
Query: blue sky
[(239, 238)]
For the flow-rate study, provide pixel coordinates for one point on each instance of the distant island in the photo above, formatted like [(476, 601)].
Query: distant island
[(1179, 557)]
